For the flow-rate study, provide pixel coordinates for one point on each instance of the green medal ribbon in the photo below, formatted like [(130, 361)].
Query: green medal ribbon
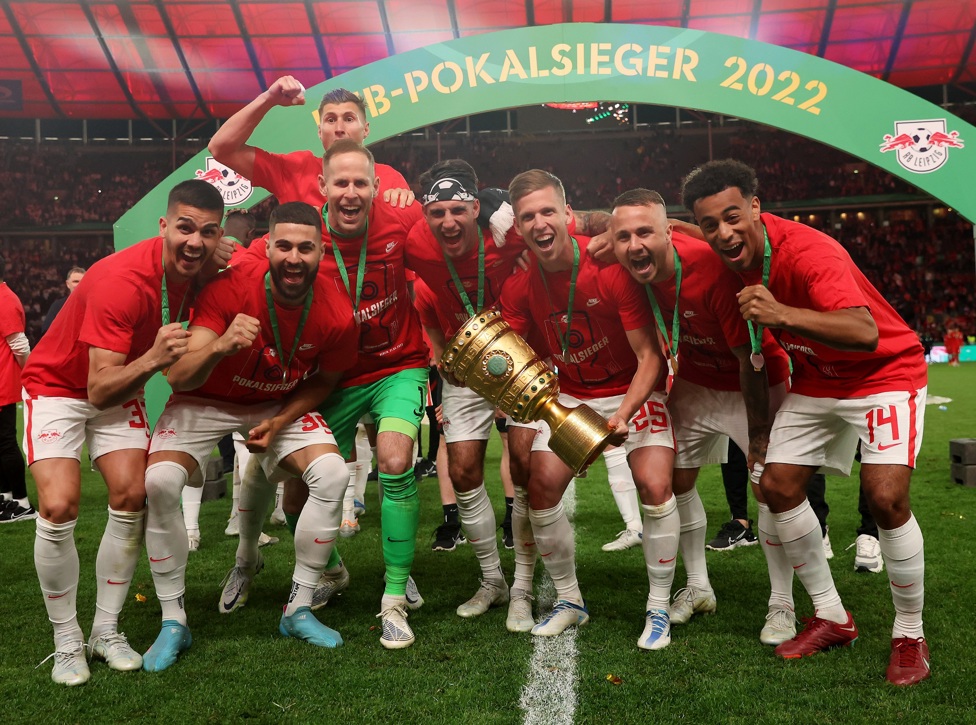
[(564, 339), (165, 298), (756, 331), (675, 339), (481, 278), (361, 271), (274, 326)]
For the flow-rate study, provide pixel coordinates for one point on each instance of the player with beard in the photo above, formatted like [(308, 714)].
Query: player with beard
[(718, 392), (600, 335), (364, 260), (84, 384), (262, 330), (295, 177), (858, 373)]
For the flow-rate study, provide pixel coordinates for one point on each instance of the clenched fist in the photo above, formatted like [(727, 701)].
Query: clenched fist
[(287, 91), (239, 335), (171, 344)]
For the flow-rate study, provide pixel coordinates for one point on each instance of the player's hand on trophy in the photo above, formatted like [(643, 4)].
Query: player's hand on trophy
[(171, 343), (287, 91), (618, 425), (449, 377), (260, 437), (399, 197), (239, 335)]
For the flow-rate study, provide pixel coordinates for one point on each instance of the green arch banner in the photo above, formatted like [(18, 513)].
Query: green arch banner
[(800, 93)]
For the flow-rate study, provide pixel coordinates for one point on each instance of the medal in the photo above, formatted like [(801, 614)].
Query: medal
[(757, 361), (756, 331), (673, 364), (670, 343)]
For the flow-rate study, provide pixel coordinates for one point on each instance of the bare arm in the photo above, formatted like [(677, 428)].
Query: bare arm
[(206, 350), (643, 341), (229, 145), (111, 382), (308, 395), (852, 329), (755, 393), (438, 340), (592, 223)]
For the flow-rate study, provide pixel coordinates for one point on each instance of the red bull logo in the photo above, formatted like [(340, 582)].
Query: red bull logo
[(234, 188), (921, 146), (165, 434), (48, 435)]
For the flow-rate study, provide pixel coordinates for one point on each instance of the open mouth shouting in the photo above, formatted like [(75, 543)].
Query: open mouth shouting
[(545, 243)]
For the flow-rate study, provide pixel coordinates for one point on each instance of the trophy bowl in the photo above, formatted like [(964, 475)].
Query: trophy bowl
[(489, 357)]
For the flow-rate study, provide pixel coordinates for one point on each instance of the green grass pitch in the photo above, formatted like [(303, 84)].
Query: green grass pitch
[(473, 671)]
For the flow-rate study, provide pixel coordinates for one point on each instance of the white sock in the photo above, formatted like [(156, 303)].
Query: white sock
[(557, 547), (904, 554), (691, 513), (235, 491), (524, 540), (622, 487), (318, 526), (478, 522), (118, 555), (364, 454), (166, 537), (56, 561), (777, 562), (799, 531), (662, 527), (257, 494), (349, 499), (24, 502), (279, 500), (192, 499)]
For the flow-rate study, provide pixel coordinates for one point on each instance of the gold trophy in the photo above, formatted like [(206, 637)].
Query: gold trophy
[(489, 357)]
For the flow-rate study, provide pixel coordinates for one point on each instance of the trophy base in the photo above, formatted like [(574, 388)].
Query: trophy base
[(578, 435)]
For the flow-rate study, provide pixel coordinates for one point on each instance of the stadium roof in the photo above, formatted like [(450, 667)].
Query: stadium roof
[(202, 59)]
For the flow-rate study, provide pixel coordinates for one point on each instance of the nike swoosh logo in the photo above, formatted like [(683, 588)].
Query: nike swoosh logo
[(397, 541), (156, 561), (528, 543), (327, 541), (850, 629), (890, 445), (689, 313), (770, 543), (903, 586), (667, 561), (473, 541), (545, 555), (56, 596), (115, 582), (230, 605), (244, 511), (798, 566)]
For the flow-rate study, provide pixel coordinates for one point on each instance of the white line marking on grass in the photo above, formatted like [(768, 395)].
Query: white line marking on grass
[(550, 696)]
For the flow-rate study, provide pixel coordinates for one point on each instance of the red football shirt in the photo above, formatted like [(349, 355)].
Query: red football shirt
[(328, 339), (425, 257), (295, 176), (810, 270), (710, 323), (599, 361), (117, 307), (12, 321)]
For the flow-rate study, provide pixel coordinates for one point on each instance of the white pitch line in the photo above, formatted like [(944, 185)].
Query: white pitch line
[(550, 695)]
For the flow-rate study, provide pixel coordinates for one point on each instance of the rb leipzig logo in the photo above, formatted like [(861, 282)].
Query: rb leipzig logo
[(233, 187), (921, 146)]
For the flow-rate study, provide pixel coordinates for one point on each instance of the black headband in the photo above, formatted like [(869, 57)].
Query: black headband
[(451, 189)]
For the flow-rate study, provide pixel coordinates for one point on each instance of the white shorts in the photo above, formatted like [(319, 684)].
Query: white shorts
[(650, 426), (824, 432), (705, 419), (194, 426), (59, 427), (467, 416)]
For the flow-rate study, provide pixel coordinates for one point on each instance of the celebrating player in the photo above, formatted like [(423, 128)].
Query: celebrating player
[(598, 332), (858, 373), (256, 332), (83, 384), (693, 298)]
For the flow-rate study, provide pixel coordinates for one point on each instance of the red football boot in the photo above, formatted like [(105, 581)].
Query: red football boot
[(817, 636), (909, 661)]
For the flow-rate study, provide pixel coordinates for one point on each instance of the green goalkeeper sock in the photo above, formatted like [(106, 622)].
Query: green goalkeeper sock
[(400, 519)]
